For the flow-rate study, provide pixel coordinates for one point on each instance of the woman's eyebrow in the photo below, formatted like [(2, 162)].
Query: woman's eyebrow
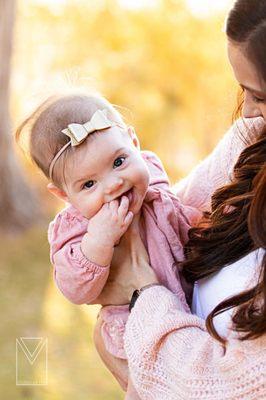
[(258, 92)]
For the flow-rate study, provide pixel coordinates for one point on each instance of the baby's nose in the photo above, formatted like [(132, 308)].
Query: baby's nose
[(113, 185)]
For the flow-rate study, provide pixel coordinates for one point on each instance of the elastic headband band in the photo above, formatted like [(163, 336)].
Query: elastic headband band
[(56, 158)]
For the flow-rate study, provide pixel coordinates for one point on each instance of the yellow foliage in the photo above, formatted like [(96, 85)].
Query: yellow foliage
[(165, 65)]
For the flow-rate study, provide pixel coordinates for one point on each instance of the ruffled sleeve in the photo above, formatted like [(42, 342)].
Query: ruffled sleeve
[(216, 170), (79, 279)]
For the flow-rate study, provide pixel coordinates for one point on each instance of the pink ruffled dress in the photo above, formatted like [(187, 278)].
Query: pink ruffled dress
[(164, 233)]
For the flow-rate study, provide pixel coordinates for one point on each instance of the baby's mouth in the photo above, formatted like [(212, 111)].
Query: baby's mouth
[(128, 194)]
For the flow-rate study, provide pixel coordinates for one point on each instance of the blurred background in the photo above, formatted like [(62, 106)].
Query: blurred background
[(164, 62)]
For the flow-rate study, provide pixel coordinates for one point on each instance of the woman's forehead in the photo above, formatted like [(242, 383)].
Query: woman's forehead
[(244, 70)]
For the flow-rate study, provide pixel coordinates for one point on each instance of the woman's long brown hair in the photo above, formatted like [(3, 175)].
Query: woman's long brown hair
[(236, 224)]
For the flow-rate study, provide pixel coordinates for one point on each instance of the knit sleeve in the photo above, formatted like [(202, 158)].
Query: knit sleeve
[(80, 280), (172, 356), (216, 170)]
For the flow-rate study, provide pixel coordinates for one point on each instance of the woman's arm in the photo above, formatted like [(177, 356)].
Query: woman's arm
[(216, 170), (171, 356)]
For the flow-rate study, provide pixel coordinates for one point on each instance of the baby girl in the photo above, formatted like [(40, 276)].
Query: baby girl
[(94, 163)]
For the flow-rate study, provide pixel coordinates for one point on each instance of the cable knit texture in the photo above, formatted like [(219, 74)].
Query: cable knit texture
[(170, 354)]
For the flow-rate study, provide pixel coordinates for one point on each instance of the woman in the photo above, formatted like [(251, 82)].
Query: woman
[(173, 354)]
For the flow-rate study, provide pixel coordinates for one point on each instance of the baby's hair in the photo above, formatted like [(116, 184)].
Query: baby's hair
[(50, 118)]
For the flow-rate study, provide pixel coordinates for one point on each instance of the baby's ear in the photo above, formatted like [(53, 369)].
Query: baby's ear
[(133, 135), (57, 192)]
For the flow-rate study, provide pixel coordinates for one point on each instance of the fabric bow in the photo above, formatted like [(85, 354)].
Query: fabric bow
[(79, 132)]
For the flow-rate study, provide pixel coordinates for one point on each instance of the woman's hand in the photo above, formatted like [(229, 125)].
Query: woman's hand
[(129, 270)]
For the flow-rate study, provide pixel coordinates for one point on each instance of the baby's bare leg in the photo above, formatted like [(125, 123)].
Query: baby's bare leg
[(116, 366)]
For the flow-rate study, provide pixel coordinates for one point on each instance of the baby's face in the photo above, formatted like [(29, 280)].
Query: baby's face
[(107, 166)]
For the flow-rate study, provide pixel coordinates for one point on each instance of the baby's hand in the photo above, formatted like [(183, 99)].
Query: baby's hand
[(111, 222), (104, 231)]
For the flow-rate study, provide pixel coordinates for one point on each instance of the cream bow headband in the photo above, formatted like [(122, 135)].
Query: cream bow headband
[(78, 132)]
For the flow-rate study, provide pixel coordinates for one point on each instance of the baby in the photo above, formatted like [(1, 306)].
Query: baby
[(94, 163)]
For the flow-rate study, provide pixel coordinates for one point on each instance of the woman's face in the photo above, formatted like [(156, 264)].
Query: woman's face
[(246, 74)]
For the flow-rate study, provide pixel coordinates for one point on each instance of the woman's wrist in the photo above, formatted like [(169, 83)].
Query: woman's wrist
[(137, 293)]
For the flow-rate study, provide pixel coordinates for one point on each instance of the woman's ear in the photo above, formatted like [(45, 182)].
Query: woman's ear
[(133, 135), (57, 192)]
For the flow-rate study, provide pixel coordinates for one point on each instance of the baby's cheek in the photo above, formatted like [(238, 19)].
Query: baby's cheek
[(91, 208), (142, 171), (145, 176), (140, 177)]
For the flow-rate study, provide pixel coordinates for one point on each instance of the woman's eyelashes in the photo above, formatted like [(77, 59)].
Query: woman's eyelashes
[(258, 99), (255, 98)]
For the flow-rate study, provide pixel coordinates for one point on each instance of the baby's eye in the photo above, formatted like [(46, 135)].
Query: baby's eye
[(88, 184), (119, 161)]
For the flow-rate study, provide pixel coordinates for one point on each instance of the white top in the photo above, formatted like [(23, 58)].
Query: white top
[(230, 280)]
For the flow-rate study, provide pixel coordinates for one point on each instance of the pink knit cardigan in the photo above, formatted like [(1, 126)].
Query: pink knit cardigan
[(170, 354)]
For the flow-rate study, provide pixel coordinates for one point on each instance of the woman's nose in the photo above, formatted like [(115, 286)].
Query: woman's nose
[(113, 185), (251, 109)]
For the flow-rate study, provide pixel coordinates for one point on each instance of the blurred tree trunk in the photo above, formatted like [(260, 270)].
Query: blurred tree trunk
[(18, 205)]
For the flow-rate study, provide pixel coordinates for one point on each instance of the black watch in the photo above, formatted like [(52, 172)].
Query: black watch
[(133, 300), (137, 292)]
